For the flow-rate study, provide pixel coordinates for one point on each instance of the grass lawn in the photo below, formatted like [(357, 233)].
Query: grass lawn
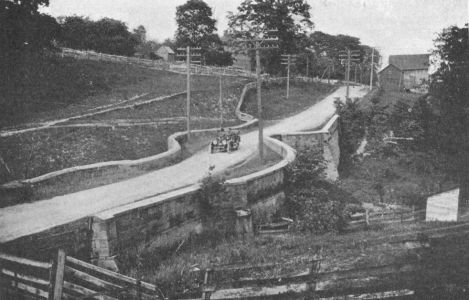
[(274, 102), (204, 104)]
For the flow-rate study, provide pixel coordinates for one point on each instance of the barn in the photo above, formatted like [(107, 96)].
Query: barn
[(166, 53), (405, 72)]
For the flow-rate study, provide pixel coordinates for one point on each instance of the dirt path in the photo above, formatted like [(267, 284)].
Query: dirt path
[(24, 219)]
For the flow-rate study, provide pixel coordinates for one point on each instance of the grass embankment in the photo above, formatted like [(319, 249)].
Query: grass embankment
[(400, 172), (68, 87), (35, 153), (204, 104), (274, 102)]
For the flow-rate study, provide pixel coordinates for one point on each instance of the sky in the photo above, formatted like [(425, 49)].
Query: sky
[(392, 26)]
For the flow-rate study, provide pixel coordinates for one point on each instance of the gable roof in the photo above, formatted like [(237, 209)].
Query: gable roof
[(388, 67), (410, 61), (165, 49)]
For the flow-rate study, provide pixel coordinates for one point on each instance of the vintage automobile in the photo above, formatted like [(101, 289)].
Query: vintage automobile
[(226, 141)]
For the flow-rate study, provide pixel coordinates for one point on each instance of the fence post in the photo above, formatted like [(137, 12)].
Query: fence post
[(139, 289), (367, 218), (59, 275), (205, 294), (51, 279)]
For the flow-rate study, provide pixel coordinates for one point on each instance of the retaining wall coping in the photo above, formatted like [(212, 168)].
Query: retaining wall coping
[(324, 130), (289, 156)]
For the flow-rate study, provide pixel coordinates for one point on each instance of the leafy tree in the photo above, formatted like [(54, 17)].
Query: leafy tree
[(26, 37), (141, 34), (327, 48), (450, 85), (291, 19), (196, 28), (105, 35)]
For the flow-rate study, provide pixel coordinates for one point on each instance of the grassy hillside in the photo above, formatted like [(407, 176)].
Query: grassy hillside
[(274, 102), (68, 86)]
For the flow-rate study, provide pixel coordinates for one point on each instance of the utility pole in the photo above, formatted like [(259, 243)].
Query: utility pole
[(307, 59), (220, 103), (349, 56), (260, 118), (355, 77), (188, 55), (288, 59), (258, 44), (372, 68)]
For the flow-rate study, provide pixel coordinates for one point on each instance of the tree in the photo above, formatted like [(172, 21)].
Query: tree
[(291, 19), (328, 47), (105, 35), (26, 37), (141, 33), (450, 85), (196, 28)]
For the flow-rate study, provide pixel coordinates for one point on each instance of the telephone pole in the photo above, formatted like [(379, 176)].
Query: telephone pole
[(220, 102), (349, 56), (307, 59), (372, 68), (288, 59), (188, 55), (260, 43), (355, 77)]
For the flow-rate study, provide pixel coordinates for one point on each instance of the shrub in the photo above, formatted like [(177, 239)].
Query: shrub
[(314, 203), (211, 189), (351, 130)]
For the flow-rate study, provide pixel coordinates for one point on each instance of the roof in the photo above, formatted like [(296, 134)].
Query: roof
[(410, 61), (165, 49), (389, 66)]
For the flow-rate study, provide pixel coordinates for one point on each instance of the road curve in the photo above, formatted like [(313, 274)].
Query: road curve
[(28, 218)]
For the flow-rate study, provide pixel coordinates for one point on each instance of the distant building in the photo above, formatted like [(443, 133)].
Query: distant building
[(166, 53), (242, 61), (405, 72)]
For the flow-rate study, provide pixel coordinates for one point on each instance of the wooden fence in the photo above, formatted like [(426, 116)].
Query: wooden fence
[(367, 219), (67, 278), (219, 283), (157, 64)]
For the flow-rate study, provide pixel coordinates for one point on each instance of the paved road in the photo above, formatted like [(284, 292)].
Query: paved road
[(25, 219)]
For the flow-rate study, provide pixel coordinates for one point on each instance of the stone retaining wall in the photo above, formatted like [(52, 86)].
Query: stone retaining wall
[(164, 220), (326, 138)]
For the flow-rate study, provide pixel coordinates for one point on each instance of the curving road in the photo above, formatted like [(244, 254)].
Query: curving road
[(25, 219)]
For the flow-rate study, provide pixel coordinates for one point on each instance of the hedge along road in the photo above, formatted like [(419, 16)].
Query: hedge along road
[(24, 219)]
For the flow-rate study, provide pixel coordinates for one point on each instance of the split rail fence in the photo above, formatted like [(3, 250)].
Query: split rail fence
[(67, 278), (367, 219)]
